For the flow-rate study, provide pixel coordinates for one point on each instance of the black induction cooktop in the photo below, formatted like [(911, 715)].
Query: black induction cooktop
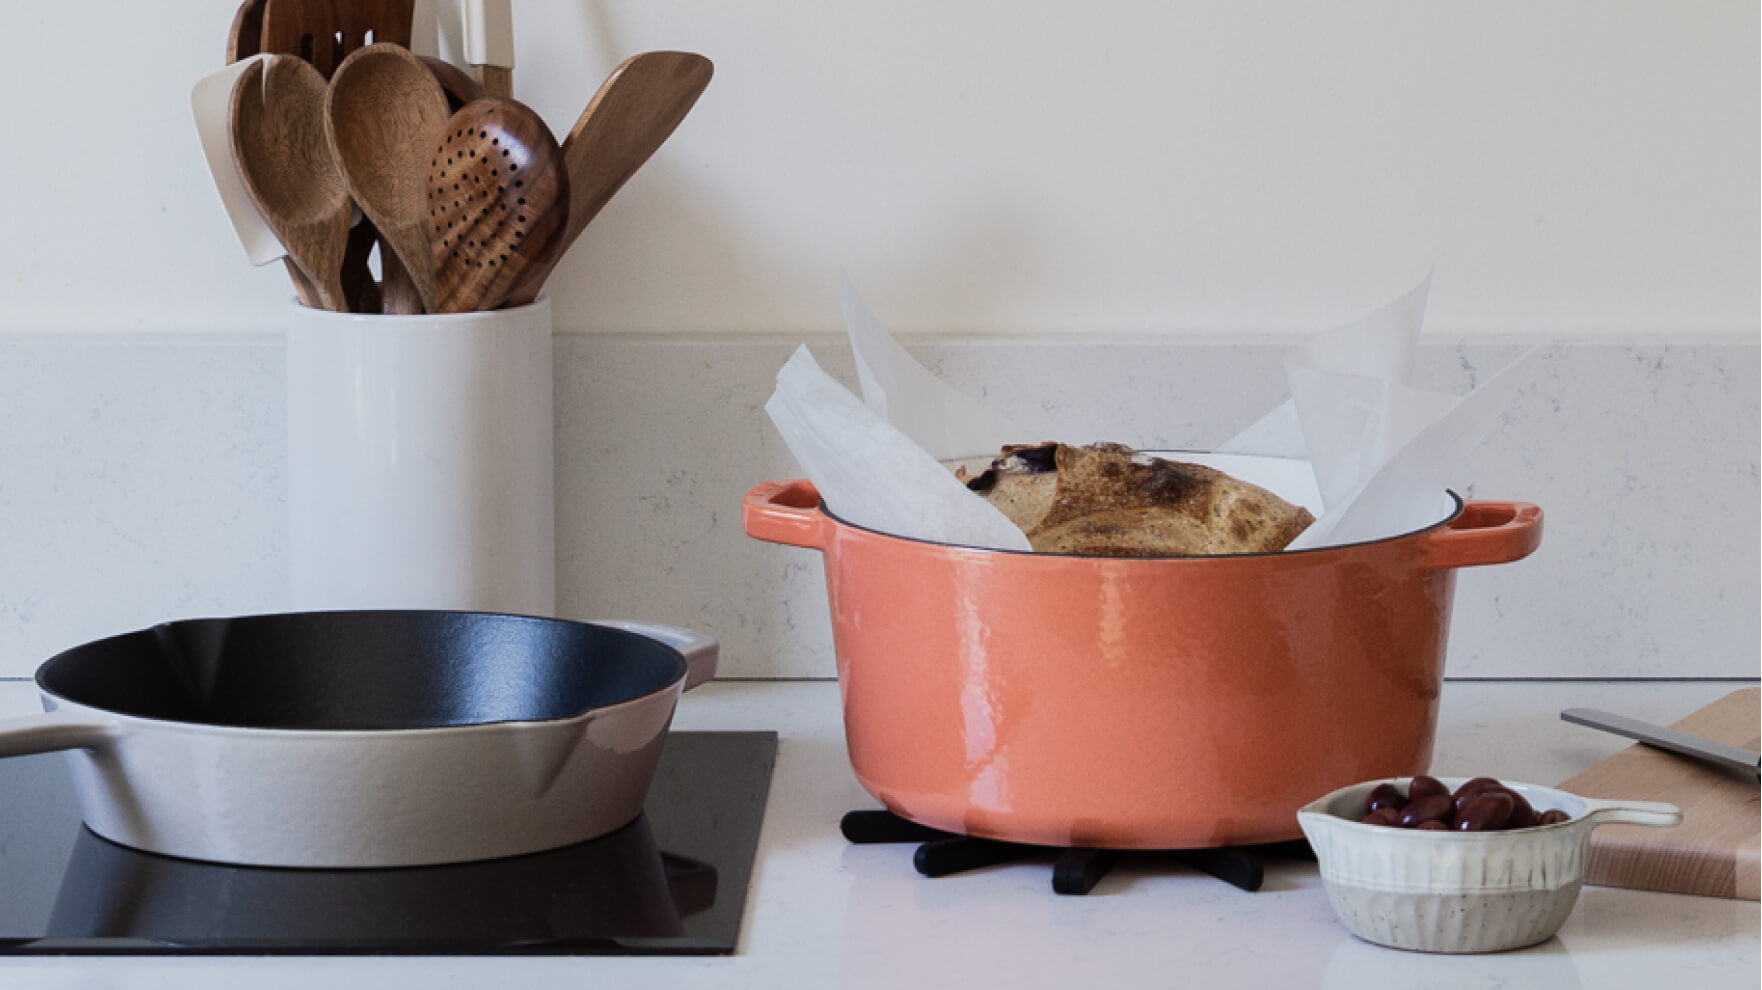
[(672, 882)]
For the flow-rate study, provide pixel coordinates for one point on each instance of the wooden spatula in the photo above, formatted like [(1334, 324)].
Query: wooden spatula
[(635, 110), (497, 192)]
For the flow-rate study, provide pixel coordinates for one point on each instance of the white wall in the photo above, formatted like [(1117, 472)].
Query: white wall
[(1569, 166)]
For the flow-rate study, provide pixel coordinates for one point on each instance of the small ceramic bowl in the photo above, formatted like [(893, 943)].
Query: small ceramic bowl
[(1447, 891)]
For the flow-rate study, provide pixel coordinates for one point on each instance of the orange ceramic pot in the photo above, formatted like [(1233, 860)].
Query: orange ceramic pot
[(1135, 703)]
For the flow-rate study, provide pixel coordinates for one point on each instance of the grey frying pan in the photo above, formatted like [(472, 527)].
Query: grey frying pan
[(362, 739)]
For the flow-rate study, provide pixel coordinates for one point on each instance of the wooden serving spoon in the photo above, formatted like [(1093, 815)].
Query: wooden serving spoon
[(497, 192), (277, 125), (635, 110), (324, 32), (384, 113)]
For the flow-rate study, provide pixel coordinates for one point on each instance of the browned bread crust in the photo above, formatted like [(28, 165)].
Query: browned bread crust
[(1108, 499)]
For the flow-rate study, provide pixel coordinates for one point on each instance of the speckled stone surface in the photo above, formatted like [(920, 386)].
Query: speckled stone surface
[(143, 478)]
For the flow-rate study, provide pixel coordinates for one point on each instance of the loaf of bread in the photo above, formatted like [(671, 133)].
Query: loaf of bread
[(1110, 500)]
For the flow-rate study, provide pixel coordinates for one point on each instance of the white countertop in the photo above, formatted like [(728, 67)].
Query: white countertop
[(824, 913)]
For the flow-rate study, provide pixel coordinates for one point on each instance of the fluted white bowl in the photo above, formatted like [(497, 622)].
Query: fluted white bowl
[(1448, 891)]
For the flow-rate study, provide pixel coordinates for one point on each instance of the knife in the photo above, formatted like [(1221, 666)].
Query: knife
[(1720, 754)]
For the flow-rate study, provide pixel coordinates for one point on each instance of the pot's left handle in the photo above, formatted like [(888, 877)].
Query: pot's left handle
[(785, 512), (56, 730), (701, 652), (1486, 533)]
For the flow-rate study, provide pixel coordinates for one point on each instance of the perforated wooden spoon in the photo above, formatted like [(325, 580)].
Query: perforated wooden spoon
[(635, 110), (497, 192), (277, 127), (383, 114)]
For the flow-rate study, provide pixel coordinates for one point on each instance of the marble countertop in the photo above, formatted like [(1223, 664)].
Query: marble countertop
[(824, 913)]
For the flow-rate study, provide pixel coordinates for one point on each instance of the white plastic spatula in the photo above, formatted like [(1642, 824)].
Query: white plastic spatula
[(489, 45), (210, 100)]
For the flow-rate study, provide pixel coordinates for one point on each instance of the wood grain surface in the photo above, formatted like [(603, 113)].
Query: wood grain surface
[(631, 115), (276, 120), (1714, 852), (497, 194), (383, 113), (324, 32)]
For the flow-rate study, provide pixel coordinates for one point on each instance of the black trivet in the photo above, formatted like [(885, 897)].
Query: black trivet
[(1075, 871)]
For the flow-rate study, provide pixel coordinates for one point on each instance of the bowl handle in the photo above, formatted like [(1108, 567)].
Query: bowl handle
[(51, 731), (1632, 813), (786, 512), (1486, 533)]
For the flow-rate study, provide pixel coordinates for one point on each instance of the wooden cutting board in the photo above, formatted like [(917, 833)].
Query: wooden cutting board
[(1714, 851)]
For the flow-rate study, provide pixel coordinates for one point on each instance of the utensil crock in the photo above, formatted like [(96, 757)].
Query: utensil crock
[(421, 461)]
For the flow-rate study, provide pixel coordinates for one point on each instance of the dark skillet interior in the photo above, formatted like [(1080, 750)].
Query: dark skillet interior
[(363, 670)]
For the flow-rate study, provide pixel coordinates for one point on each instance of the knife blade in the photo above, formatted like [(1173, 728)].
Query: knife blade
[(1707, 750)]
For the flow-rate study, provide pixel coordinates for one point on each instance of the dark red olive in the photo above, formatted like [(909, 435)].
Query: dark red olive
[(1386, 796), (1471, 788), (1522, 815), (1487, 811), (1424, 786), (1431, 808), (1431, 826), (1382, 816), (1553, 816)]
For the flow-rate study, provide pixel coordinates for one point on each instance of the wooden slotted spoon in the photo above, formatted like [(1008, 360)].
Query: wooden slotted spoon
[(635, 110), (383, 113), (497, 192), (324, 32), (277, 125)]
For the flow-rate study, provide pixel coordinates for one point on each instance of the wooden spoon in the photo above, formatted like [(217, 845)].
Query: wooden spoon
[(497, 192), (277, 124), (635, 110), (384, 113)]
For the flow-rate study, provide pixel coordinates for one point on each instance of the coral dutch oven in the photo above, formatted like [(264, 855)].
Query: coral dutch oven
[(1136, 703)]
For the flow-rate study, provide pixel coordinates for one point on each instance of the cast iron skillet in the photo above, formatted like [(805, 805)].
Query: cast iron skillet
[(362, 739)]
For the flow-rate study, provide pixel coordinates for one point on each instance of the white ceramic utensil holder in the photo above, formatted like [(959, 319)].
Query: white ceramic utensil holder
[(420, 461)]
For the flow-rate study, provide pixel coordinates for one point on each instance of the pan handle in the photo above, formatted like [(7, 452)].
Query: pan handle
[(56, 730), (700, 651), (1486, 533), (786, 512)]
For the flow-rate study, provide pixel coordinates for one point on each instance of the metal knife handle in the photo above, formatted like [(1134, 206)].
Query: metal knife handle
[(1718, 753)]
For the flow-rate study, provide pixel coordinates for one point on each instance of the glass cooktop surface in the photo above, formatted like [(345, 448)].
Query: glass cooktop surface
[(672, 882)]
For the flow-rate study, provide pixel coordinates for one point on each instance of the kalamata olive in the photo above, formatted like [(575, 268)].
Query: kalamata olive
[(1431, 808), (1522, 814), (1431, 826), (1487, 811), (1553, 816), (1471, 788), (1476, 785), (1424, 786), (1382, 816), (1386, 796)]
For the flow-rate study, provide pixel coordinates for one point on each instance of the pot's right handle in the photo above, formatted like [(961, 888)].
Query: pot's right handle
[(1486, 533), (56, 730), (785, 512)]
